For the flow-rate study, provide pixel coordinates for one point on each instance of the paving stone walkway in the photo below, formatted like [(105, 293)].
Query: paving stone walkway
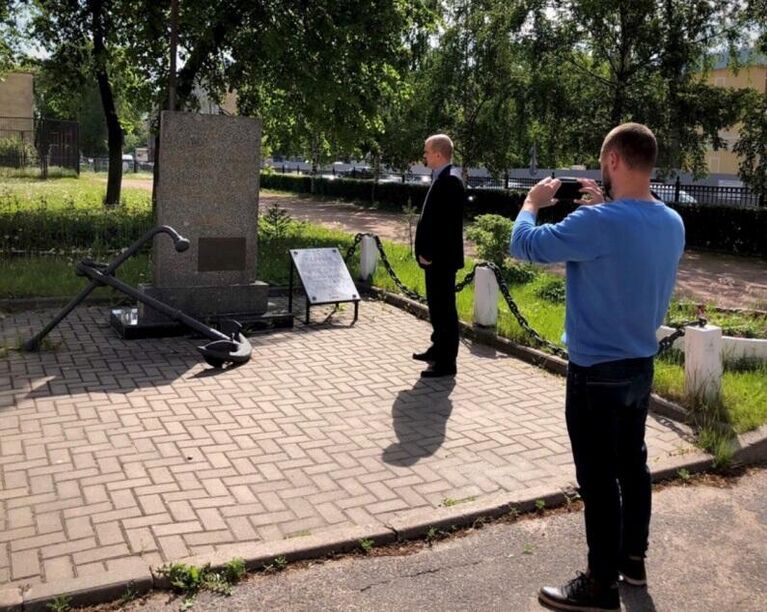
[(114, 450)]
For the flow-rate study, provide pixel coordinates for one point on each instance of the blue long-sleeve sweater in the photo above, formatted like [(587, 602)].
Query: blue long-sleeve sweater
[(621, 259)]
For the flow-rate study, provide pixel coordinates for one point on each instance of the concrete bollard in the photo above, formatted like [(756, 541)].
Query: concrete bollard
[(485, 298), (368, 257), (703, 362)]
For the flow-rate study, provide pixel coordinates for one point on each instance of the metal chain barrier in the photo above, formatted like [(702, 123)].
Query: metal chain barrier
[(467, 280), (350, 251), (667, 342), (413, 295), (663, 345), (556, 350)]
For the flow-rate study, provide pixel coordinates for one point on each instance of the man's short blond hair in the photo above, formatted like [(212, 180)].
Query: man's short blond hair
[(635, 143), (441, 143)]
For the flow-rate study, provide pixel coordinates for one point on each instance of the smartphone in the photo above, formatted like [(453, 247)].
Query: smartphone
[(570, 189)]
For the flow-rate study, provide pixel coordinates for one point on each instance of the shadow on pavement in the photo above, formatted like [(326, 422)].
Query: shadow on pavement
[(419, 416), (637, 599)]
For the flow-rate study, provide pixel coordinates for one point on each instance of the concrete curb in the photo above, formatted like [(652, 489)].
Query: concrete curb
[(133, 576), (409, 525)]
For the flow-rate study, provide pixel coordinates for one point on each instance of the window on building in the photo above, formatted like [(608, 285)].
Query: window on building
[(720, 81)]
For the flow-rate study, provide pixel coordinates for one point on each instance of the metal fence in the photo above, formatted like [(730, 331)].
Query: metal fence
[(672, 193), (40, 144), (101, 164)]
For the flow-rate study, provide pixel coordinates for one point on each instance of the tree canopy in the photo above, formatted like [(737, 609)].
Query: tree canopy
[(374, 77)]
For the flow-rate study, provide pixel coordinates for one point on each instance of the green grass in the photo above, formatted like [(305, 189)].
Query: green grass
[(86, 192), (741, 324), (49, 276), (546, 318), (744, 389), (34, 172)]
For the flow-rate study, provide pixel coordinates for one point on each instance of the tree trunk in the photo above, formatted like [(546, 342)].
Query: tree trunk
[(315, 160), (114, 130)]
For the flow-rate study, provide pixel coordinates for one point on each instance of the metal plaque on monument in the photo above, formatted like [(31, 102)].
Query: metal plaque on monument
[(207, 189)]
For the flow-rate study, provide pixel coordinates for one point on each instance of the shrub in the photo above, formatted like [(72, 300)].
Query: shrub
[(719, 228), (552, 291), (43, 229), (15, 153), (517, 273), (491, 234), (275, 223)]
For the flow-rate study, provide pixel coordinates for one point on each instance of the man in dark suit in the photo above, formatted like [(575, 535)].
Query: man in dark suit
[(439, 251)]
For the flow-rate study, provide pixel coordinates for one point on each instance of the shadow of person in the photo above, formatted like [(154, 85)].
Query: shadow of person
[(636, 599), (419, 416)]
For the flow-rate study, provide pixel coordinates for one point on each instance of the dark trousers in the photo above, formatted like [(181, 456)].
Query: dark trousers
[(606, 410), (440, 296)]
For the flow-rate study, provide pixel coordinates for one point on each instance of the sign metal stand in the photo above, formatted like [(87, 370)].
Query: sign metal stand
[(325, 278)]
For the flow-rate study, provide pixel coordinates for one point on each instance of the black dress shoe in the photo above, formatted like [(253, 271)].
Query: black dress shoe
[(632, 571), (425, 356), (582, 593), (436, 370)]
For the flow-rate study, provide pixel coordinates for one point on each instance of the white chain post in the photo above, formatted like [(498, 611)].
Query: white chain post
[(703, 362), (368, 257), (485, 298)]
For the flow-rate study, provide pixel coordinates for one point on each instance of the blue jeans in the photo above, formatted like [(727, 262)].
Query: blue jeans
[(606, 410)]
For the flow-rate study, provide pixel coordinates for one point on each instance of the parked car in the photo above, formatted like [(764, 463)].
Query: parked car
[(666, 193), (516, 185), (390, 178), (419, 179)]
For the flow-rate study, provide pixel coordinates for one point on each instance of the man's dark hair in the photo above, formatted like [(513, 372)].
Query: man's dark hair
[(635, 143)]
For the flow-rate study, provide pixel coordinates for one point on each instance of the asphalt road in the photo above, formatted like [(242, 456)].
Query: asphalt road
[(708, 553)]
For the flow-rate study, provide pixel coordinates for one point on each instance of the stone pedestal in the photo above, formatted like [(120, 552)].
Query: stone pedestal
[(207, 190)]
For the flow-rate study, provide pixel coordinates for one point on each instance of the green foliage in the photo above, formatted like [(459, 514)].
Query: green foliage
[(491, 234), (552, 291), (743, 324), (718, 441), (366, 544), (449, 501), (517, 273), (65, 214), (275, 223), (320, 62), (234, 570), (435, 533), (277, 565), (752, 144), (189, 580), (59, 604), (15, 153), (411, 214), (540, 505), (721, 228)]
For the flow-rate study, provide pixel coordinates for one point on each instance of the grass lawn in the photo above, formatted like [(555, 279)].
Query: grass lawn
[(86, 192)]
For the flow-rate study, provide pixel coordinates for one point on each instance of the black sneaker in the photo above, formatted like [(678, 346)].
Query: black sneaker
[(582, 593), (633, 572)]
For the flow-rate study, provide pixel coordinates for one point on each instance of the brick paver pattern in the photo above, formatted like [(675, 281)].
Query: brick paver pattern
[(112, 449)]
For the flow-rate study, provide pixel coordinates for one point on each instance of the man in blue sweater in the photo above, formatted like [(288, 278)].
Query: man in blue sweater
[(622, 255)]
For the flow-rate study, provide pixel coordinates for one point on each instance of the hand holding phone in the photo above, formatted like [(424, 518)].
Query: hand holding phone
[(569, 189)]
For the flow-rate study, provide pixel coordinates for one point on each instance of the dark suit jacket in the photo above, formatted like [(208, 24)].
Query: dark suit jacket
[(439, 235)]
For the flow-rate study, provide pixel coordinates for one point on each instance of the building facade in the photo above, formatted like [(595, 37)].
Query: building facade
[(752, 76)]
